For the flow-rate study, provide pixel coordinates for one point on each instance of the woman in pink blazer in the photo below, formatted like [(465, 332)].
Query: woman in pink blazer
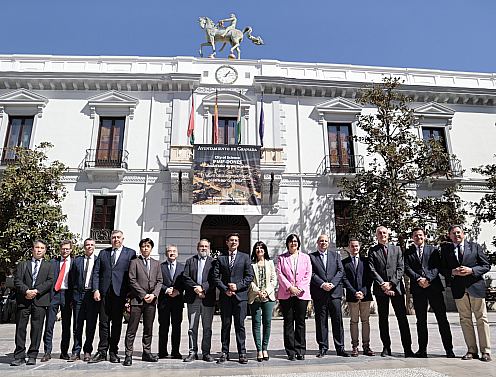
[(294, 271)]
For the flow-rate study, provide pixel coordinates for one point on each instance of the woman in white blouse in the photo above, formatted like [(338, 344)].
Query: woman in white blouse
[(261, 297)]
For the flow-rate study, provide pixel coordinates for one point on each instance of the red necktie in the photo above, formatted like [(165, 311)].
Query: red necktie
[(60, 278), (385, 251)]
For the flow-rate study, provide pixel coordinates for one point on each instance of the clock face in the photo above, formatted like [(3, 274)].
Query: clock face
[(226, 74)]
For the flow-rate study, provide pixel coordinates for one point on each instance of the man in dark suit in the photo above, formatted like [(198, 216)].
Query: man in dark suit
[(33, 282), (145, 280), (60, 299), (464, 263), (199, 294), (84, 306), (386, 268), (326, 289), (111, 286), (422, 267), (232, 275), (358, 284), (170, 304)]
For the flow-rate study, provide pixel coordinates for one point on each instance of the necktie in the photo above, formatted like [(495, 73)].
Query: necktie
[(324, 260), (355, 262), (60, 278), (171, 270), (85, 273), (147, 265), (460, 253), (420, 252), (384, 250), (231, 261), (201, 266), (112, 257), (35, 271)]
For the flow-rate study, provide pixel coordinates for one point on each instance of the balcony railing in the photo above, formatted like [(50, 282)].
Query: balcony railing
[(8, 156), (104, 158), (456, 167), (101, 235), (351, 165)]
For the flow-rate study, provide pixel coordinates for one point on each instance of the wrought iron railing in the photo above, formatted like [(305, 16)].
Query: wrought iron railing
[(351, 164), (104, 158), (101, 235), (456, 167)]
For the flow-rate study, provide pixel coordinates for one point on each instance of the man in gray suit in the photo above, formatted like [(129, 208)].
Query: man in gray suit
[(145, 282), (386, 268)]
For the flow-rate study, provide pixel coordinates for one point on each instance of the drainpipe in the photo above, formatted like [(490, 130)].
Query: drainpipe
[(300, 186)]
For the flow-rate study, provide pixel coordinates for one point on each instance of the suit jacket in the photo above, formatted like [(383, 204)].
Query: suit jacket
[(104, 274), (23, 281), (76, 277), (286, 277), (241, 274), (270, 282), (473, 257), (55, 262), (427, 268), (189, 280), (390, 270), (332, 273), (141, 282), (175, 281), (357, 280)]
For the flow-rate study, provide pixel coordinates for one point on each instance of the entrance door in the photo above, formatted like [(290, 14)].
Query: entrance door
[(215, 228)]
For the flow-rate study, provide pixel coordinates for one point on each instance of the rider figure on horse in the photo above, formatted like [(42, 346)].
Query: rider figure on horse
[(232, 19)]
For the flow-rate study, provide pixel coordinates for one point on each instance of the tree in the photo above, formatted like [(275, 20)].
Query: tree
[(31, 194), (485, 210), (385, 192)]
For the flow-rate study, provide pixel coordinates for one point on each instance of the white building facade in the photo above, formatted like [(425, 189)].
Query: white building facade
[(120, 125)]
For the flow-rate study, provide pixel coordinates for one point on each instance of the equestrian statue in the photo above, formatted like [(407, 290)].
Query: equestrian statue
[(216, 32)]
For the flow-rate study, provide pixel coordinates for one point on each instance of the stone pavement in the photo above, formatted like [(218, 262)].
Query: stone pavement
[(436, 365)]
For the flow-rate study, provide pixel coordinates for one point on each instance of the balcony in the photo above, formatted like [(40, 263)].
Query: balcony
[(105, 163), (351, 165)]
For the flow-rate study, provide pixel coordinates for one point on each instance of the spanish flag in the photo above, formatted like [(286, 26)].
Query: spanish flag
[(216, 122)]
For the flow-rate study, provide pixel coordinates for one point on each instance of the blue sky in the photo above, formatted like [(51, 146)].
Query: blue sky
[(440, 34)]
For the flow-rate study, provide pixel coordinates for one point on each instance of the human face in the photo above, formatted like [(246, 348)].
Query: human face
[(382, 235), (146, 249), (293, 245), (39, 250), (171, 253), (117, 239), (89, 247), (457, 235), (354, 248), (203, 248), (65, 250), (232, 243), (260, 252), (418, 237), (323, 242)]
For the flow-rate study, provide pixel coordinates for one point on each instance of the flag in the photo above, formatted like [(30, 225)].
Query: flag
[(191, 124), (216, 122), (238, 125), (261, 124)]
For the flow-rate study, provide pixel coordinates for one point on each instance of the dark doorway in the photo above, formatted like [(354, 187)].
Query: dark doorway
[(215, 228)]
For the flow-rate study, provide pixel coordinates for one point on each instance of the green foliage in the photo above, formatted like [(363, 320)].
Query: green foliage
[(485, 210), (385, 193), (31, 194)]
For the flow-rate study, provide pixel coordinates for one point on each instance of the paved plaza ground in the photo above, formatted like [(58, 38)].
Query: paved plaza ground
[(331, 366)]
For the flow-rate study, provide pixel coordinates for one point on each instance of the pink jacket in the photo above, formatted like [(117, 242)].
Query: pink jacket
[(286, 277)]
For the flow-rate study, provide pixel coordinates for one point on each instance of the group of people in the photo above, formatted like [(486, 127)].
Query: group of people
[(92, 289)]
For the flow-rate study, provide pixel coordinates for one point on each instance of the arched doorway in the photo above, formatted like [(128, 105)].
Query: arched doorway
[(215, 228)]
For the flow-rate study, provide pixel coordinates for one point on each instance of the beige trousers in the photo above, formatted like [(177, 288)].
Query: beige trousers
[(360, 310), (466, 306)]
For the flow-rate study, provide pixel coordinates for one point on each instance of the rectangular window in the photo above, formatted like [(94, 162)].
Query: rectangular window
[(110, 143), (18, 135), (342, 215), (103, 218), (341, 155), (227, 131), (435, 133)]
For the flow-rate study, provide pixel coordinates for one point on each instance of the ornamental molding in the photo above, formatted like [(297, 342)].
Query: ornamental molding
[(433, 113), (227, 99), (112, 103), (22, 102), (338, 108)]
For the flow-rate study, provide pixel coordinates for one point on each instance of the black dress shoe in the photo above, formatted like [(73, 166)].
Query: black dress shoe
[(266, 357), (386, 351), (450, 354), (97, 357), (409, 353), (31, 361), (420, 354), (223, 358), (64, 356), (128, 361), (176, 355), (291, 358), (243, 359), (113, 358), (208, 358), (342, 353), (73, 358), (149, 357), (47, 356), (300, 357), (470, 356), (17, 362), (163, 355), (191, 357), (321, 353), (486, 357), (87, 356)]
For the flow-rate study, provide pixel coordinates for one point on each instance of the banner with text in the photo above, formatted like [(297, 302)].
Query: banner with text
[(226, 180)]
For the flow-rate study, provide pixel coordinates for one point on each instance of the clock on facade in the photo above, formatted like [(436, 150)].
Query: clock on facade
[(226, 74)]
